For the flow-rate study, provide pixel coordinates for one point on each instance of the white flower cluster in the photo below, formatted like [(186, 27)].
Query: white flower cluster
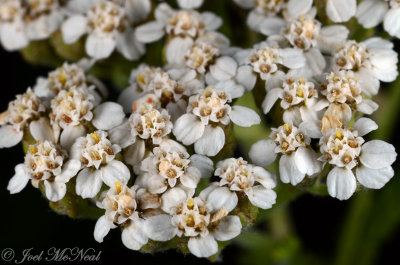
[(148, 160)]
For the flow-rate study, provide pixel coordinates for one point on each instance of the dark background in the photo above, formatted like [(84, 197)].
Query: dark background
[(27, 221)]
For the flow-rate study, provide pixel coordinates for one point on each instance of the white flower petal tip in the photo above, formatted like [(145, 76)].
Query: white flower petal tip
[(262, 153), (108, 115), (377, 154), (341, 183), (212, 141), (244, 117), (203, 247)]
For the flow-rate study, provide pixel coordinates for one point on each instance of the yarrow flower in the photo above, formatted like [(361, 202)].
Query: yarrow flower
[(97, 158), (123, 207), (241, 177), (298, 159), (207, 112), (24, 20), (202, 220), (108, 26), (23, 110), (44, 163), (169, 165), (354, 160)]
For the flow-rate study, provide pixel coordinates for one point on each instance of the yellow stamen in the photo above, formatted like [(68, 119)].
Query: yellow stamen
[(95, 137), (190, 204), (118, 186)]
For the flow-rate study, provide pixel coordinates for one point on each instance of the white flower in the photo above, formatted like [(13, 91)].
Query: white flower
[(121, 205), (22, 21), (297, 158), (344, 87), (168, 87), (202, 219), (179, 23), (20, 113), (146, 123), (256, 182), (341, 10), (44, 162), (207, 112), (348, 153), (96, 154), (371, 60), (170, 164), (67, 76), (108, 27), (266, 60), (372, 12)]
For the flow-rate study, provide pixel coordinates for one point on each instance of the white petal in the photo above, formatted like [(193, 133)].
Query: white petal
[(374, 178), (150, 32), (129, 46), (70, 134), (306, 161), (188, 129), (244, 117), (377, 154), (385, 64), (222, 197), (133, 236), (115, 171), (272, 25), (392, 22), (368, 82), (191, 177), (311, 128), (212, 141), (190, 4), (332, 36), (100, 47), (108, 115), (371, 12), (41, 130), (73, 28), (211, 21), (19, 180), (261, 197), (203, 163), (272, 96), (288, 170), (246, 77), (365, 126), (70, 169), (264, 177), (102, 228), (228, 227), (176, 50), (298, 7), (88, 183), (159, 227), (55, 190), (367, 106), (134, 154), (12, 36), (315, 61), (254, 20), (121, 135), (172, 198), (262, 152), (224, 68), (9, 136), (203, 247), (246, 4), (341, 10), (230, 87), (293, 58), (127, 97), (341, 183), (137, 10)]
